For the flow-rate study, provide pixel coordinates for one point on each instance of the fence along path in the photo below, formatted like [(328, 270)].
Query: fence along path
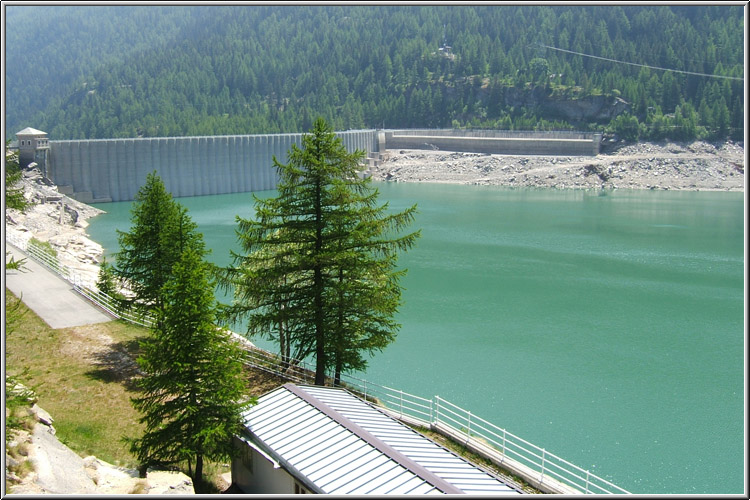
[(540, 468)]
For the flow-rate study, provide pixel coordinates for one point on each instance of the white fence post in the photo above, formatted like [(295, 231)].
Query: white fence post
[(504, 432)]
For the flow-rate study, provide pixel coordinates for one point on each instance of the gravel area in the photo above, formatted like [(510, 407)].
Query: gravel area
[(695, 166)]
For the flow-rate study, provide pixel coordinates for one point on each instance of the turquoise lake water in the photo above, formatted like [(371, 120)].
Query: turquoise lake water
[(606, 327)]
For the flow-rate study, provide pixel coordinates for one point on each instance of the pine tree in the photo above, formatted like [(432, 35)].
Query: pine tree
[(161, 230), (14, 197), (193, 388), (319, 259)]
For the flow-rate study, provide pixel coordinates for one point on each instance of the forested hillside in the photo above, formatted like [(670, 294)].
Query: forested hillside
[(132, 71)]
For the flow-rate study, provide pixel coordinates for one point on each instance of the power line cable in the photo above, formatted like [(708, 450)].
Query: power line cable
[(643, 65)]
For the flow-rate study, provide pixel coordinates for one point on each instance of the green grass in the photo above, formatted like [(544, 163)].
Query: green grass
[(44, 246), (91, 415), (82, 376)]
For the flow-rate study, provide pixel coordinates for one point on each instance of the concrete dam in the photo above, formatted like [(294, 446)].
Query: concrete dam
[(104, 170)]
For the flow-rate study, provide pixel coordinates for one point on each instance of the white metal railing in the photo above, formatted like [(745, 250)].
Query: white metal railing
[(427, 412), (509, 445), (115, 307)]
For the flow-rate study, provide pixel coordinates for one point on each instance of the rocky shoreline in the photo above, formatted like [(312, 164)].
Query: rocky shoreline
[(695, 166), (58, 220)]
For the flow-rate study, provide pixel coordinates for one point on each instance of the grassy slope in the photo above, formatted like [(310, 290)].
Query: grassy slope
[(89, 402), (83, 378)]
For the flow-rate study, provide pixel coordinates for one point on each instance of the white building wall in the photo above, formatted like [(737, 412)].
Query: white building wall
[(260, 476)]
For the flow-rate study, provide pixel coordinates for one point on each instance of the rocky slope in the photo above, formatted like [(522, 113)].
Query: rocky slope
[(57, 470), (59, 220), (696, 166)]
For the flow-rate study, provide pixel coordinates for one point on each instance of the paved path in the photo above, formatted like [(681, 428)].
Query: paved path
[(49, 296)]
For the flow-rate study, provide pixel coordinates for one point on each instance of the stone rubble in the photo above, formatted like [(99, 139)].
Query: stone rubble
[(59, 220), (695, 166)]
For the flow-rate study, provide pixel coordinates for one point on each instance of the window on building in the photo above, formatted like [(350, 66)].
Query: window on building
[(299, 489)]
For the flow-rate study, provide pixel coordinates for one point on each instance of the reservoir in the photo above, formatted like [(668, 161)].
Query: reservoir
[(604, 326)]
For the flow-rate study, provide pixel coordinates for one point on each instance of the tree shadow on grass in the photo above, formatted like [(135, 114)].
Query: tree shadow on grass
[(116, 364)]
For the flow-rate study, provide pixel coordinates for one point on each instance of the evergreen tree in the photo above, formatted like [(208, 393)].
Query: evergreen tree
[(193, 386), (320, 258), (14, 197), (161, 230)]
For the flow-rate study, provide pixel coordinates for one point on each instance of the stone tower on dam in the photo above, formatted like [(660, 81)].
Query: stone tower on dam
[(33, 147)]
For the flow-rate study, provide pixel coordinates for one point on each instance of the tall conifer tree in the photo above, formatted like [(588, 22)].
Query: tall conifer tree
[(161, 230), (319, 261), (193, 390)]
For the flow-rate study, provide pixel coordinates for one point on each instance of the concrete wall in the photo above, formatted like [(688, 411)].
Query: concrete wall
[(32, 148), (103, 170), (558, 143)]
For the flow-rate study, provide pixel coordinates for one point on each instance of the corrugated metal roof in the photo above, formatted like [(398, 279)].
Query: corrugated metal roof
[(340, 444)]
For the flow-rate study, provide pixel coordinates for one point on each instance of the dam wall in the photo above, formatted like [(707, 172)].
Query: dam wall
[(103, 170), (509, 142)]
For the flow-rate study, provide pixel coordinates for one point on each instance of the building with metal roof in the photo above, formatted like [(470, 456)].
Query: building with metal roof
[(33, 147), (315, 439)]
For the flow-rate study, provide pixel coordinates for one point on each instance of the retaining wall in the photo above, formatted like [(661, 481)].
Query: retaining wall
[(560, 143)]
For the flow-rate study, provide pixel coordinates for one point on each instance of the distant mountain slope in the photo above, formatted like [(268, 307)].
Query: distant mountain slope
[(127, 71), (50, 50)]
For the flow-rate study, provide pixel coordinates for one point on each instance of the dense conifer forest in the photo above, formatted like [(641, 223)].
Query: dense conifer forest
[(145, 71)]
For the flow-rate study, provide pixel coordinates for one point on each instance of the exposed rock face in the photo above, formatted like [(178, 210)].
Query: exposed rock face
[(596, 108), (60, 471), (591, 108), (59, 220)]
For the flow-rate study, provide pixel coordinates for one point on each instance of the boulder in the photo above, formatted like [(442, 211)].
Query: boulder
[(160, 482)]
